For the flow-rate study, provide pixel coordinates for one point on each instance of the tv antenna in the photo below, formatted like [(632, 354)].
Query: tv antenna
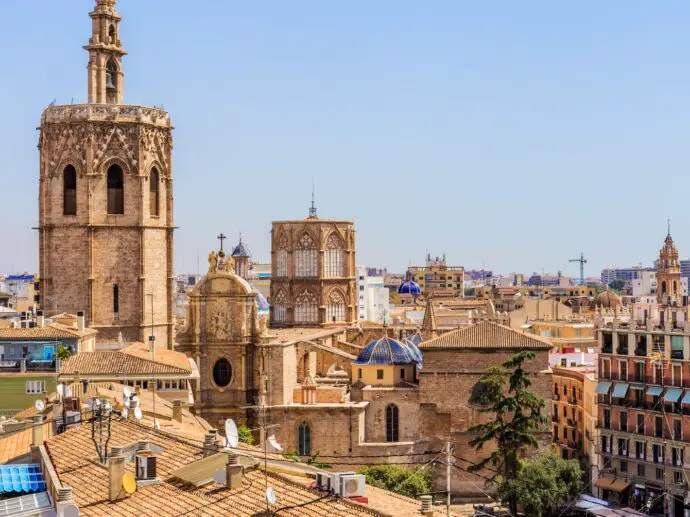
[(100, 426)]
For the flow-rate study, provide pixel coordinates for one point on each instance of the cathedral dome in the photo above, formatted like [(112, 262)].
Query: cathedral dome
[(410, 287), (411, 343), (608, 299), (386, 351)]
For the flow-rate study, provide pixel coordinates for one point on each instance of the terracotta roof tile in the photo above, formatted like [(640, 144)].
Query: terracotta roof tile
[(117, 363), (75, 462), (487, 334), (51, 331)]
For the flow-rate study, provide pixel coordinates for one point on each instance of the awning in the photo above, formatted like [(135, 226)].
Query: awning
[(620, 390), (654, 391), (673, 395), (604, 483), (603, 387), (637, 386), (619, 485), (686, 398)]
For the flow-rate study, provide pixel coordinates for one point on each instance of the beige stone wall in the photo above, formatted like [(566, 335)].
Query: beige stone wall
[(407, 400)]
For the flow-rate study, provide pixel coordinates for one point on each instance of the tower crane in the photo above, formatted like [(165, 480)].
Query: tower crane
[(582, 260)]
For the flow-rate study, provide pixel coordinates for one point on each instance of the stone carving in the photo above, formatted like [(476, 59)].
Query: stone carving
[(263, 325), (228, 264), (220, 325), (117, 139), (212, 262)]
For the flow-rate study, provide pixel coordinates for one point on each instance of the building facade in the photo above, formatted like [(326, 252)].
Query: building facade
[(313, 281), (373, 298), (105, 202), (437, 278)]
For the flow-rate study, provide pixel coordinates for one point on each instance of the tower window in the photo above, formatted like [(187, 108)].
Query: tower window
[(392, 423), (69, 191), (222, 372), (304, 439), (116, 190), (334, 257), (116, 299), (154, 207), (111, 33), (306, 258), (306, 308)]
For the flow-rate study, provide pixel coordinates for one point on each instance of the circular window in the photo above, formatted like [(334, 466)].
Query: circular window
[(222, 372)]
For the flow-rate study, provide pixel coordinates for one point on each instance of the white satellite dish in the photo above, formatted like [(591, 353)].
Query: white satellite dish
[(273, 444), (270, 496), (220, 476), (231, 435), (39, 405), (125, 413), (126, 402), (127, 391), (61, 390), (68, 391), (137, 413)]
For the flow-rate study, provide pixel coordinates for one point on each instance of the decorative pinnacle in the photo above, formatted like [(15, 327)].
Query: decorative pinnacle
[(312, 210)]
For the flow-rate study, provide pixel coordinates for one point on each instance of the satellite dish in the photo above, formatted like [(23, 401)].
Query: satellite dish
[(61, 390), (126, 402), (127, 391), (129, 483), (125, 413), (273, 443), (270, 496), (220, 476), (231, 435), (137, 413), (40, 405)]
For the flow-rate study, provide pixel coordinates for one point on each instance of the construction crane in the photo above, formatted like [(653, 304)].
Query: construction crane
[(582, 260)]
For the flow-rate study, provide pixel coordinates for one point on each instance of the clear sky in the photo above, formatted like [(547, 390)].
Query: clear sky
[(510, 135)]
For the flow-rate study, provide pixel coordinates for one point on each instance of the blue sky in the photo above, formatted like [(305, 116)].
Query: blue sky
[(509, 135)]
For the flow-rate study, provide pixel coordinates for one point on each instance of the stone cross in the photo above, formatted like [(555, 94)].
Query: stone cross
[(221, 238)]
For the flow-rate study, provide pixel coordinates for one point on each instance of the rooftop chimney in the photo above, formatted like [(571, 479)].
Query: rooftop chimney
[(233, 472), (427, 506), (40, 319), (116, 471), (81, 325), (210, 443), (177, 411), (37, 431)]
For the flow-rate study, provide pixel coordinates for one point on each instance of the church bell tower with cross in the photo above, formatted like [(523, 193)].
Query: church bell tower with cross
[(105, 202)]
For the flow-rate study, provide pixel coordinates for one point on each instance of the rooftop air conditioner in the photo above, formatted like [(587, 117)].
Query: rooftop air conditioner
[(323, 481), (335, 480), (146, 467), (352, 485)]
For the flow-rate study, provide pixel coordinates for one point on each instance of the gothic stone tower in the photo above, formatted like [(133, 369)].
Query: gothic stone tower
[(105, 202), (313, 272), (669, 286)]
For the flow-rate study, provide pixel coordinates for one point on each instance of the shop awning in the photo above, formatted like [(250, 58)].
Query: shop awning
[(686, 398), (673, 395), (620, 390), (603, 387), (619, 485), (654, 391), (604, 483)]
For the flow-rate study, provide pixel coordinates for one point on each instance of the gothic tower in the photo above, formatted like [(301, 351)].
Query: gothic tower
[(669, 286), (313, 280), (105, 202)]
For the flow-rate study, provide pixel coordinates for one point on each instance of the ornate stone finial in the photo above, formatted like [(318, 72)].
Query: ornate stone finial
[(212, 262), (228, 264), (263, 325), (309, 380)]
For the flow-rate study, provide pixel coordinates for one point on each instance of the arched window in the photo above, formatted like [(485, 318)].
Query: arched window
[(280, 307), (69, 191), (392, 423), (282, 257), (116, 190), (663, 287), (111, 76), (306, 308), (154, 180), (304, 440), (335, 310), (334, 258), (222, 372), (306, 258), (111, 33)]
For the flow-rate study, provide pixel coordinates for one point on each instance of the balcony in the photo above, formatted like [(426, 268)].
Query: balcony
[(641, 352), (28, 365), (572, 400)]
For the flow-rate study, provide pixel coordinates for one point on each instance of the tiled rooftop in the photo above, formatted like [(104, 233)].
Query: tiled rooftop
[(74, 459), (50, 331), (487, 334), (118, 363)]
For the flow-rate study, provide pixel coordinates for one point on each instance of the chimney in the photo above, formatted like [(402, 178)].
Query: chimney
[(81, 325), (233, 472), (210, 443), (37, 436), (177, 411), (116, 471), (427, 506), (40, 319)]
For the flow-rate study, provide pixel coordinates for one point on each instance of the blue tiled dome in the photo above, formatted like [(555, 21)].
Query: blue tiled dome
[(386, 351), (410, 343), (262, 303), (410, 287)]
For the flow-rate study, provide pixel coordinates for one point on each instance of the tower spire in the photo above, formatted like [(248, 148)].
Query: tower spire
[(105, 75), (312, 210), (668, 226)]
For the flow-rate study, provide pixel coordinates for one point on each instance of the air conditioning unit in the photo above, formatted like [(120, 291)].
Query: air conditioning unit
[(335, 480), (146, 467), (352, 485), (323, 481)]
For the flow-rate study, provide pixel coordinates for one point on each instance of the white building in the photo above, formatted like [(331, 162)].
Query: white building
[(373, 298), (645, 283)]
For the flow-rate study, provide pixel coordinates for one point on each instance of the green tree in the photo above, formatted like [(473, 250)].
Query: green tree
[(617, 285), (245, 435), (410, 482), (517, 415), (63, 352), (543, 484)]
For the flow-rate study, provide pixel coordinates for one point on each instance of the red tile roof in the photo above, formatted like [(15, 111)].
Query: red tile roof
[(487, 334)]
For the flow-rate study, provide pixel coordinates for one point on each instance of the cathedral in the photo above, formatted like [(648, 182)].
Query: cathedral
[(105, 202)]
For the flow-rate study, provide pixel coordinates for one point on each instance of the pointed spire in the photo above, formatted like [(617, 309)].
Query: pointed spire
[(312, 210), (429, 322)]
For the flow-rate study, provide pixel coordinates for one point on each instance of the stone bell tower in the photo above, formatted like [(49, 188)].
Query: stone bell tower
[(105, 202)]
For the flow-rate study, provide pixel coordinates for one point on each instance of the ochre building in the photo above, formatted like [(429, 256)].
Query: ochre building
[(105, 202)]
